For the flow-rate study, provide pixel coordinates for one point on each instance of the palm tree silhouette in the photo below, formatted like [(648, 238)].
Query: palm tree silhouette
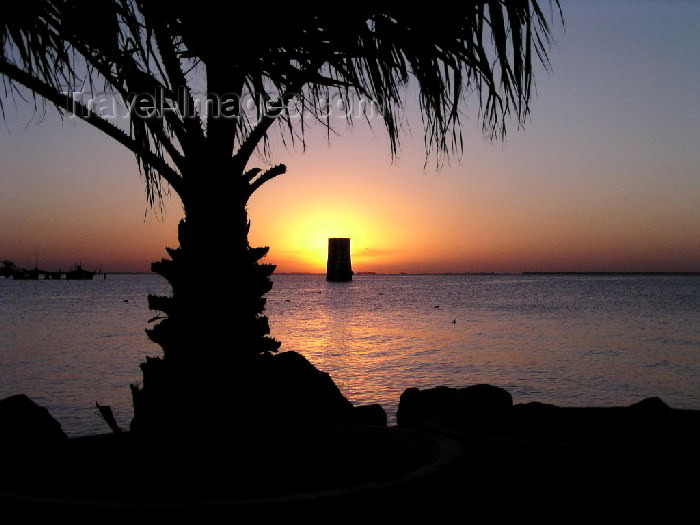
[(255, 70)]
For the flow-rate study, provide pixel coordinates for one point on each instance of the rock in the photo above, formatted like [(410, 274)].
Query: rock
[(284, 387), (535, 408), (298, 391), (369, 415), (23, 422), (649, 422), (540, 421), (487, 399), (415, 406), (650, 405), (295, 390), (476, 401)]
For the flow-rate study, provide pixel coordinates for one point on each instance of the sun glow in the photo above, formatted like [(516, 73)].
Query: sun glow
[(302, 241)]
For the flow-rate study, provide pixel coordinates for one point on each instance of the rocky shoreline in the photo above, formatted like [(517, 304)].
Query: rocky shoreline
[(454, 450)]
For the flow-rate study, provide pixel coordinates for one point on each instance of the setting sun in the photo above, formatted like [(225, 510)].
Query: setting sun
[(303, 240)]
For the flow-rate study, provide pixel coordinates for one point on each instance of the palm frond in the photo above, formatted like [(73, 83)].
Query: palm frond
[(476, 50)]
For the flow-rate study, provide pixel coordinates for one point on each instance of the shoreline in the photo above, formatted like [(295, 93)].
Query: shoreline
[(623, 459)]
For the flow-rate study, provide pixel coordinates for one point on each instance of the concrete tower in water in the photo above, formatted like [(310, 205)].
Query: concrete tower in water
[(339, 267)]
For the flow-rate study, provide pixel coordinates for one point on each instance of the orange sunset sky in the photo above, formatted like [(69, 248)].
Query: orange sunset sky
[(604, 177)]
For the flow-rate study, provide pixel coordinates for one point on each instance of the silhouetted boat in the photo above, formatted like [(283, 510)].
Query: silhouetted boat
[(79, 274)]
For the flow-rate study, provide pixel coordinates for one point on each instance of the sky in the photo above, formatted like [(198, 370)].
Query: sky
[(605, 175)]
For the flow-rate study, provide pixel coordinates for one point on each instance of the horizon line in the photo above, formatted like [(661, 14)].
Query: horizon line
[(575, 272)]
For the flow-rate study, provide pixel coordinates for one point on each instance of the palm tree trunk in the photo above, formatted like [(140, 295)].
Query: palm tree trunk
[(214, 330)]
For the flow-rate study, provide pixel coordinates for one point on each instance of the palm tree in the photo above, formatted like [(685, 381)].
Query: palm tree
[(157, 57)]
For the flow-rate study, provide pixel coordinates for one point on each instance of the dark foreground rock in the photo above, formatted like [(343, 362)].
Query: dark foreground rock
[(279, 388), (475, 401), (23, 422), (650, 405), (369, 415), (546, 462)]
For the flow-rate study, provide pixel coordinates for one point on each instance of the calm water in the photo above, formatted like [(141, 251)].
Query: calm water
[(572, 340)]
